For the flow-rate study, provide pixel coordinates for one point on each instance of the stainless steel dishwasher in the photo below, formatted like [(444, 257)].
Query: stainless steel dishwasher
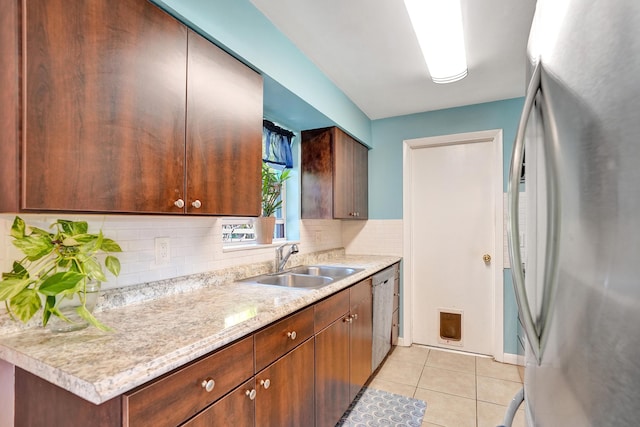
[(383, 283)]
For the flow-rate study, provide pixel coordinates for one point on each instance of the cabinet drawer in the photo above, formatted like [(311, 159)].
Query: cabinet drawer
[(360, 291), (331, 309), (236, 409), (278, 339), (174, 398)]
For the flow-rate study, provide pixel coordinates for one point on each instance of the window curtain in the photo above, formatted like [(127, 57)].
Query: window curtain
[(276, 145)]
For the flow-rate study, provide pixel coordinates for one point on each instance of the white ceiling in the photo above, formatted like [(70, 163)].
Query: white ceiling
[(368, 49)]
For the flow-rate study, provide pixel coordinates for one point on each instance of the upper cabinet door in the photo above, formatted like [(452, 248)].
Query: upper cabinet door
[(104, 107), (343, 184), (360, 181), (224, 132)]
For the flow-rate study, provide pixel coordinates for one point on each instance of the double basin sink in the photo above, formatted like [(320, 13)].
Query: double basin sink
[(304, 276)]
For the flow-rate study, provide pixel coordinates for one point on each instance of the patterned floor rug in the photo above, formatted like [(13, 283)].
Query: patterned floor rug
[(379, 408)]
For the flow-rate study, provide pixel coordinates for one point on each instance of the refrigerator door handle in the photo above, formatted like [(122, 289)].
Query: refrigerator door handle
[(513, 229)]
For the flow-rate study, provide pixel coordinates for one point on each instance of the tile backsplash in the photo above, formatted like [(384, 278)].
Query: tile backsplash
[(195, 243)]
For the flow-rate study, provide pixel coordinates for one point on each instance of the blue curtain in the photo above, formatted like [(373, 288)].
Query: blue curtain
[(276, 145)]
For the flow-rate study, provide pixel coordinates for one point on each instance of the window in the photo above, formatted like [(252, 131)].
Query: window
[(276, 153), (239, 231)]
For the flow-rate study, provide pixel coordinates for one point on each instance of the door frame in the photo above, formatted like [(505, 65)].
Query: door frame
[(494, 136)]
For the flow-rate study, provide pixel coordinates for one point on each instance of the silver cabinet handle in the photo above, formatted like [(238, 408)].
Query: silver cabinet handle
[(513, 229), (196, 204), (265, 383), (179, 203), (292, 335), (354, 316), (251, 393), (208, 385)]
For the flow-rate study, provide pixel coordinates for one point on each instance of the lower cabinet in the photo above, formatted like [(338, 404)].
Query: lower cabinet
[(361, 336), (343, 351), (235, 409), (303, 370), (285, 390), (332, 359)]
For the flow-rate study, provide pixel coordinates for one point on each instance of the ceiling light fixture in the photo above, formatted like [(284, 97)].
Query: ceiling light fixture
[(438, 27)]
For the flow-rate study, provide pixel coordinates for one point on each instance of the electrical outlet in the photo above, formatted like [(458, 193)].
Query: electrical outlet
[(163, 250)]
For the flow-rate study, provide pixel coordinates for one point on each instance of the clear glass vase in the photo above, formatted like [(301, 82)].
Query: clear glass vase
[(68, 306)]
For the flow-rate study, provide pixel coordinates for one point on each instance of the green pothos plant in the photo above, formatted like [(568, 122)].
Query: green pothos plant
[(56, 265)]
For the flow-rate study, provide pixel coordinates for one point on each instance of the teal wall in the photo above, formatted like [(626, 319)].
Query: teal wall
[(385, 160), (293, 84)]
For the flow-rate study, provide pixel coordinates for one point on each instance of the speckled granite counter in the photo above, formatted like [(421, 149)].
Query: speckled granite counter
[(155, 336)]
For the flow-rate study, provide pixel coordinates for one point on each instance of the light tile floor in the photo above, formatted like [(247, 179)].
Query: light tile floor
[(460, 390)]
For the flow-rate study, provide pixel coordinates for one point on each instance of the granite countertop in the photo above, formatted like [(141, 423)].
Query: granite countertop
[(156, 336)]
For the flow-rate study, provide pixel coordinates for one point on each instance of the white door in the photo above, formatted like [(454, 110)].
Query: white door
[(453, 227)]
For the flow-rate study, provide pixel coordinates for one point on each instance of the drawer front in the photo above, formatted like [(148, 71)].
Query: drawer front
[(278, 339), (360, 291), (178, 396), (330, 309), (236, 409)]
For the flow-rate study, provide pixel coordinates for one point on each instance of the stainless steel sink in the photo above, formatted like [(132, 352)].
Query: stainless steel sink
[(291, 280), (325, 270), (295, 280), (305, 276)]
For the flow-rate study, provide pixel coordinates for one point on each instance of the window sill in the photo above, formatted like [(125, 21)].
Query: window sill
[(254, 246)]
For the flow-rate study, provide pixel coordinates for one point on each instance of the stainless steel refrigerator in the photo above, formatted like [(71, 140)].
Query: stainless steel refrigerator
[(579, 300)]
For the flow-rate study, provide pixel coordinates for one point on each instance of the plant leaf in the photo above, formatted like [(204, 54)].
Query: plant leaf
[(93, 269), (109, 245), (34, 247), (12, 286), (86, 315), (70, 241), (113, 265), (60, 282), (18, 228), (25, 304), (49, 303), (73, 227)]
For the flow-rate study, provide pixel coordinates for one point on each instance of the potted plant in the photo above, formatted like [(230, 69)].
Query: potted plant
[(59, 274), (272, 181)]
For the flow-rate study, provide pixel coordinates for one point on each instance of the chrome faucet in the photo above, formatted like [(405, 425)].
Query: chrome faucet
[(280, 260)]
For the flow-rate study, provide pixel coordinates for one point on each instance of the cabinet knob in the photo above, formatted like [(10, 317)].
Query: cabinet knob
[(208, 384), (196, 204), (251, 393), (179, 203), (265, 383), (354, 316), (292, 335), (348, 319)]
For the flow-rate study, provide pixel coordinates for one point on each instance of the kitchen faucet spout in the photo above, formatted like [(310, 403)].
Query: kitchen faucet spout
[(281, 260)]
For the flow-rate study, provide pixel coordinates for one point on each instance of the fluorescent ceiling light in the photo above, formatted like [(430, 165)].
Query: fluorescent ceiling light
[(438, 27)]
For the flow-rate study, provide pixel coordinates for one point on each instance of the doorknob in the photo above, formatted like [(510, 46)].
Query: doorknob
[(486, 258)]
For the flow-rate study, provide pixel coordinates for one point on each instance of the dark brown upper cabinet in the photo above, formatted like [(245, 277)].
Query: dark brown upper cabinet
[(224, 132), (123, 109), (334, 175)]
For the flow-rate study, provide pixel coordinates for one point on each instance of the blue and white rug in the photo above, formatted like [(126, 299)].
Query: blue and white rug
[(379, 408)]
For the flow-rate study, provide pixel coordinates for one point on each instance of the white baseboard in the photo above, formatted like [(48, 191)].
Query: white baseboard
[(402, 343), (513, 359)]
